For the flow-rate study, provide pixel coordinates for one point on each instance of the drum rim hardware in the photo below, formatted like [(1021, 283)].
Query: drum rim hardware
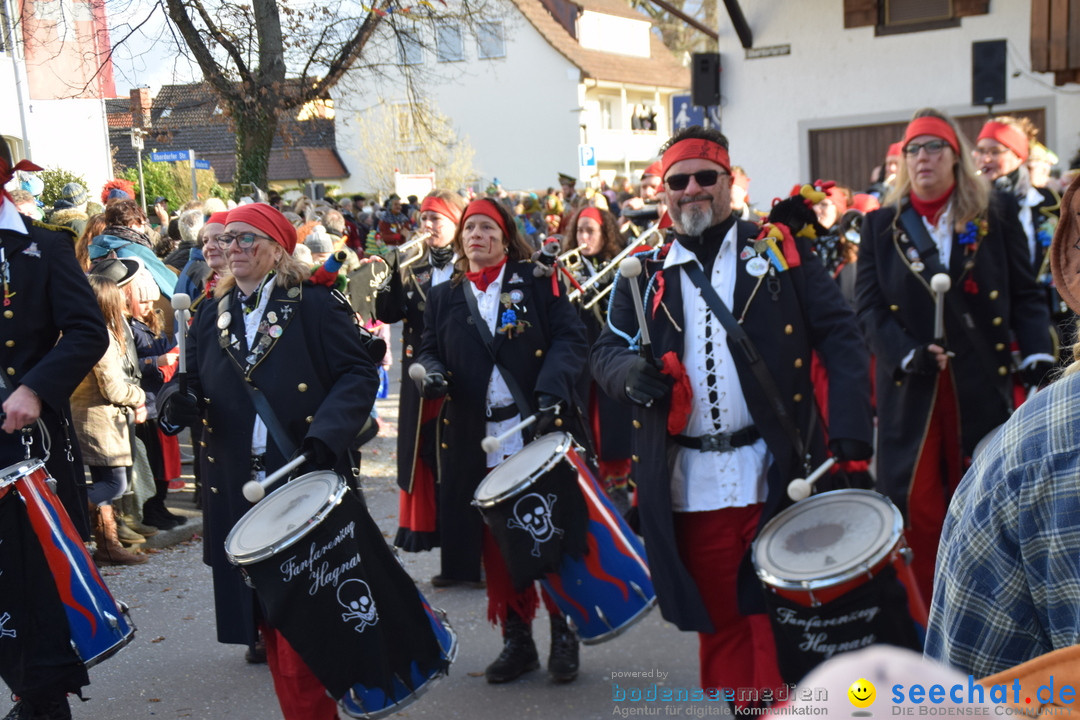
[(296, 535), (843, 580), (562, 442)]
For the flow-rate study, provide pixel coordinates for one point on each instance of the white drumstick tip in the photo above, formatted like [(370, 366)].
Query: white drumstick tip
[(630, 267), (940, 283), (417, 372), (181, 301), (798, 489), (490, 444), (253, 491)]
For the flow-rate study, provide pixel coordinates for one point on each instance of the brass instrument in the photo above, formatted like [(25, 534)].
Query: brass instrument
[(652, 236), (405, 248), (571, 260)]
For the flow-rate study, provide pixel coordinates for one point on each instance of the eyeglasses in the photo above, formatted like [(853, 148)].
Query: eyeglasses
[(933, 148), (704, 178), (992, 152), (244, 240)]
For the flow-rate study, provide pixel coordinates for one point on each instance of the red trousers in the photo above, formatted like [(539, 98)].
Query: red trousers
[(299, 692), (740, 653)]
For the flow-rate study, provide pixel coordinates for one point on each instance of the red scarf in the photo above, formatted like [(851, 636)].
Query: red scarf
[(485, 276), (931, 209)]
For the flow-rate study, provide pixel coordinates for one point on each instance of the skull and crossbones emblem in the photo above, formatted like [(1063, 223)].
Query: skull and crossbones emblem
[(4, 632), (355, 596), (532, 513)]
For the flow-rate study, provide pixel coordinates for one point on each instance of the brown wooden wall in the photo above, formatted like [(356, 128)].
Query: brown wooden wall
[(1055, 39), (847, 155)]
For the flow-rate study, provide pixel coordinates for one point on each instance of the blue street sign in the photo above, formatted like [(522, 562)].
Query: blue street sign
[(202, 164), (685, 114), (169, 156), (586, 156)]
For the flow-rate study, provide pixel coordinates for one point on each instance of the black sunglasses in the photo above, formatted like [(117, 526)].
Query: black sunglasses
[(933, 147), (704, 178)]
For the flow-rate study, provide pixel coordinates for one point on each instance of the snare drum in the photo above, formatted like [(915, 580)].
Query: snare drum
[(531, 499), (835, 569), (98, 625), (333, 588)]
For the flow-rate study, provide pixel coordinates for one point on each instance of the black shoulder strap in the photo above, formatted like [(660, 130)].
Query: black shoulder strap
[(741, 340), (485, 335), (262, 406), (928, 249)]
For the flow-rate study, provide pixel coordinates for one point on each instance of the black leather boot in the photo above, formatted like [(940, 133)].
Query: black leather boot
[(518, 655), (563, 657)]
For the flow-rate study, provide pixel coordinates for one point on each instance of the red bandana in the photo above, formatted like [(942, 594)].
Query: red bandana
[(698, 149), (1010, 136), (931, 125), (930, 209), (484, 277), (438, 205)]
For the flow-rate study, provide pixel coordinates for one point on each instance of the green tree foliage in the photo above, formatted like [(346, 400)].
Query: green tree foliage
[(172, 181), (55, 179)]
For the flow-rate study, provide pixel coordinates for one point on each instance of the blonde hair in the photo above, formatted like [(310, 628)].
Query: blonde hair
[(971, 194), (289, 272)]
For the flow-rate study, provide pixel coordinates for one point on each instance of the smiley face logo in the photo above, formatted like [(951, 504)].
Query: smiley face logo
[(862, 693)]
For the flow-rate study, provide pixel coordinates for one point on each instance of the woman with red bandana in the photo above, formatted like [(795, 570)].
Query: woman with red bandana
[(595, 234), (526, 360), (1001, 155), (938, 396), (299, 345)]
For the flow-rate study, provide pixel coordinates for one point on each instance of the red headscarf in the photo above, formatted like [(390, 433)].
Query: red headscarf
[(935, 126), (591, 212), (1010, 136), (264, 217), (219, 217), (438, 205), (695, 148), (486, 207)]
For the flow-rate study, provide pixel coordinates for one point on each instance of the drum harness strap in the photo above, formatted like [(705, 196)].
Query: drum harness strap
[(956, 307), (757, 364), (485, 336), (262, 407)]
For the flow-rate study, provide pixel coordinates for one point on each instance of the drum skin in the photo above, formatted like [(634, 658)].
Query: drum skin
[(331, 586), (602, 590)]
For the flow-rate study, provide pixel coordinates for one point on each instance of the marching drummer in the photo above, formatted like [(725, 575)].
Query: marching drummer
[(717, 439), (404, 299), (268, 340), (499, 346), (53, 334)]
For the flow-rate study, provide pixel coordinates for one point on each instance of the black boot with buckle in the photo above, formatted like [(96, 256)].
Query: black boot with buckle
[(518, 655), (563, 657)]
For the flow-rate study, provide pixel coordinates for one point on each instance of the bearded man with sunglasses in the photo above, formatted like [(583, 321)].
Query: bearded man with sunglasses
[(713, 457)]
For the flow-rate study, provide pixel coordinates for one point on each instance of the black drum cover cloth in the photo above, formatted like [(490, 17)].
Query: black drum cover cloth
[(540, 524), (347, 606), (36, 655), (872, 613)]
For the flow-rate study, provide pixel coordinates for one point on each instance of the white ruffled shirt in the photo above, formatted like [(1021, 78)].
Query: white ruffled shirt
[(702, 481)]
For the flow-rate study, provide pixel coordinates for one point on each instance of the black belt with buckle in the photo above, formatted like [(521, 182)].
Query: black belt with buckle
[(502, 414), (720, 442), (258, 463)]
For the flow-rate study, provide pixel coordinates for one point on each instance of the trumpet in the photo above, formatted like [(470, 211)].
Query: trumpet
[(646, 238), (413, 242)]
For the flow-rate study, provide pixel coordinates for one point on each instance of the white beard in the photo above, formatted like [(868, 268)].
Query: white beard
[(695, 220)]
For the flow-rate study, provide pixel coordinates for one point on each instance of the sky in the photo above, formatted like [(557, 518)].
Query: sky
[(144, 53)]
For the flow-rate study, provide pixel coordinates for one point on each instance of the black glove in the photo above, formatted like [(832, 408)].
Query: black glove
[(435, 386), (182, 410), (320, 456), (548, 409), (1037, 374), (849, 449), (645, 382), (924, 361)]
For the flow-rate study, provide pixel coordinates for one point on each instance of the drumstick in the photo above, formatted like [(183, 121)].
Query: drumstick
[(181, 302), (940, 284), (254, 490), (631, 268), (799, 489), (492, 443)]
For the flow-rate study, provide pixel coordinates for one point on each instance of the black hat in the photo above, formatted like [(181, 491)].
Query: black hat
[(565, 179), (120, 270)]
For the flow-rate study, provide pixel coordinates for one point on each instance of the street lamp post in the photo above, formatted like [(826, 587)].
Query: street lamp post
[(137, 143)]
